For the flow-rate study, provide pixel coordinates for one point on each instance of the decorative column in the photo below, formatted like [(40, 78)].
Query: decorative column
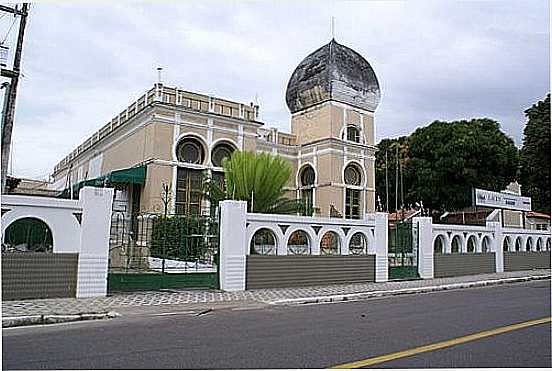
[(233, 245), (381, 247), (94, 241), (425, 246)]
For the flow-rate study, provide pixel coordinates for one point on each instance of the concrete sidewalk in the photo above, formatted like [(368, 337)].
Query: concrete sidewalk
[(97, 307)]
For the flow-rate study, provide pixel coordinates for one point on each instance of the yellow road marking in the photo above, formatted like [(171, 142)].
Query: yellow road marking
[(442, 344)]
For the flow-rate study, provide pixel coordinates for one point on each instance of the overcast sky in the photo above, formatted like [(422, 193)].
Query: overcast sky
[(435, 60)]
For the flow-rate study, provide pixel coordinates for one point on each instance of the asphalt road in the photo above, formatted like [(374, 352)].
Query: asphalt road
[(313, 336)]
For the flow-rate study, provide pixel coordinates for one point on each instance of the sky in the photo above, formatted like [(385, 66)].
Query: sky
[(84, 62)]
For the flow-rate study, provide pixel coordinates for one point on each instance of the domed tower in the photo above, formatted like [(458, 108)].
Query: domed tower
[(332, 95)]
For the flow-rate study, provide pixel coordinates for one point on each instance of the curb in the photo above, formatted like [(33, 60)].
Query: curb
[(415, 290), (45, 319)]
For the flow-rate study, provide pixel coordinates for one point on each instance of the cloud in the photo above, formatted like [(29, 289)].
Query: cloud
[(84, 62)]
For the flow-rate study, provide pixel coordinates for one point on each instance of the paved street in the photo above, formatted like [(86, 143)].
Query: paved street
[(308, 336), (125, 301)]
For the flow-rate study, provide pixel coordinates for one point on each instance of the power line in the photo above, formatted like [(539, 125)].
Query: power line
[(9, 31), (9, 111)]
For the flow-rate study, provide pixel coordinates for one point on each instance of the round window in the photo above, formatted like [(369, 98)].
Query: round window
[(352, 175), (190, 150), (220, 152)]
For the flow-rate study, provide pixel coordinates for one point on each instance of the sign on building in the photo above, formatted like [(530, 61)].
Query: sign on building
[(501, 200)]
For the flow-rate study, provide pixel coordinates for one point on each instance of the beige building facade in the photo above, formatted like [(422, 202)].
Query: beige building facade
[(179, 138)]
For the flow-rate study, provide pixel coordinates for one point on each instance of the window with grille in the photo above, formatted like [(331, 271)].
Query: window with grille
[(189, 184), (352, 203), (307, 180), (220, 152), (190, 150)]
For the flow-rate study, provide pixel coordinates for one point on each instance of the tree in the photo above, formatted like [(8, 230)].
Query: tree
[(534, 174), (447, 159), (258, 179)]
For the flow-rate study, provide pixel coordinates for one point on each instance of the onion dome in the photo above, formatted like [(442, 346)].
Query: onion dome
[(333, 72)]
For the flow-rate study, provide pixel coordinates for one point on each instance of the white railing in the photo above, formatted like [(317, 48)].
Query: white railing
[(243, 233)]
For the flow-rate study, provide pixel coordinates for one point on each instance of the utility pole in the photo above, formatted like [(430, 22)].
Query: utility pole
[(397, 180), (9, 113)]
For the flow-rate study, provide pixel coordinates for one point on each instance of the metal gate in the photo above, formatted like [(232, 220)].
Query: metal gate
[(153, 251), (403, 250)]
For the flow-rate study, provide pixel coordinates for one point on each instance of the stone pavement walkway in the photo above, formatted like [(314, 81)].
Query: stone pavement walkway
[(178, 297)]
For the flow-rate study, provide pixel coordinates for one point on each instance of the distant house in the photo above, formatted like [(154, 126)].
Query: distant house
[(31, 187), (537, 221)]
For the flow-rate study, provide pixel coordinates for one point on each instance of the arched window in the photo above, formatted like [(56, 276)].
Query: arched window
[(190, 150), (529, 244), (518, 244), (298, 243), (353, 178), (439, 245), (352, 134), (28, 234), (485, 244), (358, 244), (539, 244), (307, 180), (455, 246), (506, 244), (471, 244), (220, 152), (329, 244), (263, 242)]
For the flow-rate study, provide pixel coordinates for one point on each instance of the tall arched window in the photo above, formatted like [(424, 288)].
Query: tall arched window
[(353, 180), (307, 180)]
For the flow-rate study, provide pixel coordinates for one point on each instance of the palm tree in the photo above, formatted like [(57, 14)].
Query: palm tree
[(258, 179)]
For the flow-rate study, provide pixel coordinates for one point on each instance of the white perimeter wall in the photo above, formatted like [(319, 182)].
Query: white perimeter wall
[(498, 240), (237, 228), (78, 226)]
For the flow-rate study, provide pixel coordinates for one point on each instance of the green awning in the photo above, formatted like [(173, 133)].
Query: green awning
[(131, 175)]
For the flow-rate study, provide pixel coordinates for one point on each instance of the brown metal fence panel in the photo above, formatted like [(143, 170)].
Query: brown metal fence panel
[(524, 260), (30, 275), (288, 271), (452, 265)]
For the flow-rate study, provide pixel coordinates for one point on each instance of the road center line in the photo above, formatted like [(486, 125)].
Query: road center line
[(442, 344), (172, 313)]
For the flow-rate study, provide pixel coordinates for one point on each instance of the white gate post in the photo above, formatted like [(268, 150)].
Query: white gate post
[(425, 246), (94, 241), (381, 247), (233, 245), (497, 244)]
